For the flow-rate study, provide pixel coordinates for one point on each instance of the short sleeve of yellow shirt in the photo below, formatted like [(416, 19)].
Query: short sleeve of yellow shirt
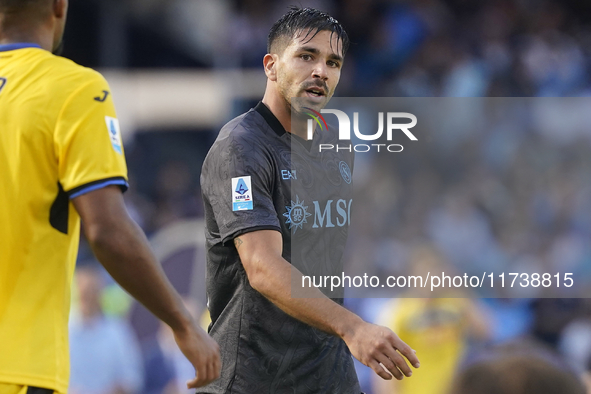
[(88, 140)]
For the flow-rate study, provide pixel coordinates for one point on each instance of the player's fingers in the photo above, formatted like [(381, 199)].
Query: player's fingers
[(379, 370), (211, 371), (192, 384), (391, 366), (395, 358), (406, 351), (206, 375), (215, 361), (217, 365), (212, 365), (200, 377)]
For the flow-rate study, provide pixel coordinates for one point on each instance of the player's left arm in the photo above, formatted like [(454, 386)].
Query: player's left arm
[(122, 248), (271, 275)]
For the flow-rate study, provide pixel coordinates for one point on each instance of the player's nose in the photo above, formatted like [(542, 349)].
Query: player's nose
[(320, 71)]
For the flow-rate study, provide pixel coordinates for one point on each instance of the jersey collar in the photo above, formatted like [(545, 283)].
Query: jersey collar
[(271, 120), (18, 45)]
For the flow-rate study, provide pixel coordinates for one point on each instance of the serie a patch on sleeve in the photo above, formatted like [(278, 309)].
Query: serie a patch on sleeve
[(114, 134), (241, 194)]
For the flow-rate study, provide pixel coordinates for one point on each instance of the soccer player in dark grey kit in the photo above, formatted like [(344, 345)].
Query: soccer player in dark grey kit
[(271, 342)]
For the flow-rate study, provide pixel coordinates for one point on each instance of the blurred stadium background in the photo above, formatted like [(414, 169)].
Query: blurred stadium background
[(180, 69)]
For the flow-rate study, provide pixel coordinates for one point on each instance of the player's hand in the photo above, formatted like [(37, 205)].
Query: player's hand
[(374, 345), (203, 352)]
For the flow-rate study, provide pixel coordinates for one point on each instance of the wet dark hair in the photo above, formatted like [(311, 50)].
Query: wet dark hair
[(308, 21)]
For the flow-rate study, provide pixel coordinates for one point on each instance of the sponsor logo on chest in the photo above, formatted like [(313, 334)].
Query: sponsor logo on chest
[(328, 214)]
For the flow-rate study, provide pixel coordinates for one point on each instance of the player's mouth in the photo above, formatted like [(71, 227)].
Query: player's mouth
[(315, 93)]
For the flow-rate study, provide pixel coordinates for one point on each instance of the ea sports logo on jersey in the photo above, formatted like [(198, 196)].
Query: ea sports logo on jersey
[(296, 214)]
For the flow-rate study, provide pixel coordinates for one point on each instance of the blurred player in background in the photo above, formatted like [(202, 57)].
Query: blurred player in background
[(61, 160), (505, 372), (271, 342), (104, 354), (438, 328)]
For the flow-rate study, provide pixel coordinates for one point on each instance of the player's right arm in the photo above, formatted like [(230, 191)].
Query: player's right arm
[(92, 172), (271, 275), (122, 248)]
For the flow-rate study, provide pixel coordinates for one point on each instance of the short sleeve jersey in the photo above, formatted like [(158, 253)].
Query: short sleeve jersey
[(59, 139), (257, 176)]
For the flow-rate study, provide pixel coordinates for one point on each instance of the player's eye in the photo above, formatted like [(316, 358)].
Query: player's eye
[(333, 64), (306, 56)]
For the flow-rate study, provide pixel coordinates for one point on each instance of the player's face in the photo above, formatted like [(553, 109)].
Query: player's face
[(310, 69)]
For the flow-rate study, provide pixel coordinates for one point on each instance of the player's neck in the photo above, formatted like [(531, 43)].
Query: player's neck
[(20, 34), (282, 112)]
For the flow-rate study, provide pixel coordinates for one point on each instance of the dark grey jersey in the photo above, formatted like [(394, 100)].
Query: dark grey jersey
[(253, 179)]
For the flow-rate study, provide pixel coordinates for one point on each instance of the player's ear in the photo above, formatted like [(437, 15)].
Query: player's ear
[(270, 65), (60, 8)]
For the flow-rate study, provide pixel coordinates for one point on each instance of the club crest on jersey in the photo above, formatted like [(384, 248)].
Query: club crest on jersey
[(296, 214), (345, 171), (241, 194), (114, 133)]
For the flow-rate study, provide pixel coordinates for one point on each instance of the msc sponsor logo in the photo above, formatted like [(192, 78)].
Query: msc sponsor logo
[(326, 215), (296, 214)]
